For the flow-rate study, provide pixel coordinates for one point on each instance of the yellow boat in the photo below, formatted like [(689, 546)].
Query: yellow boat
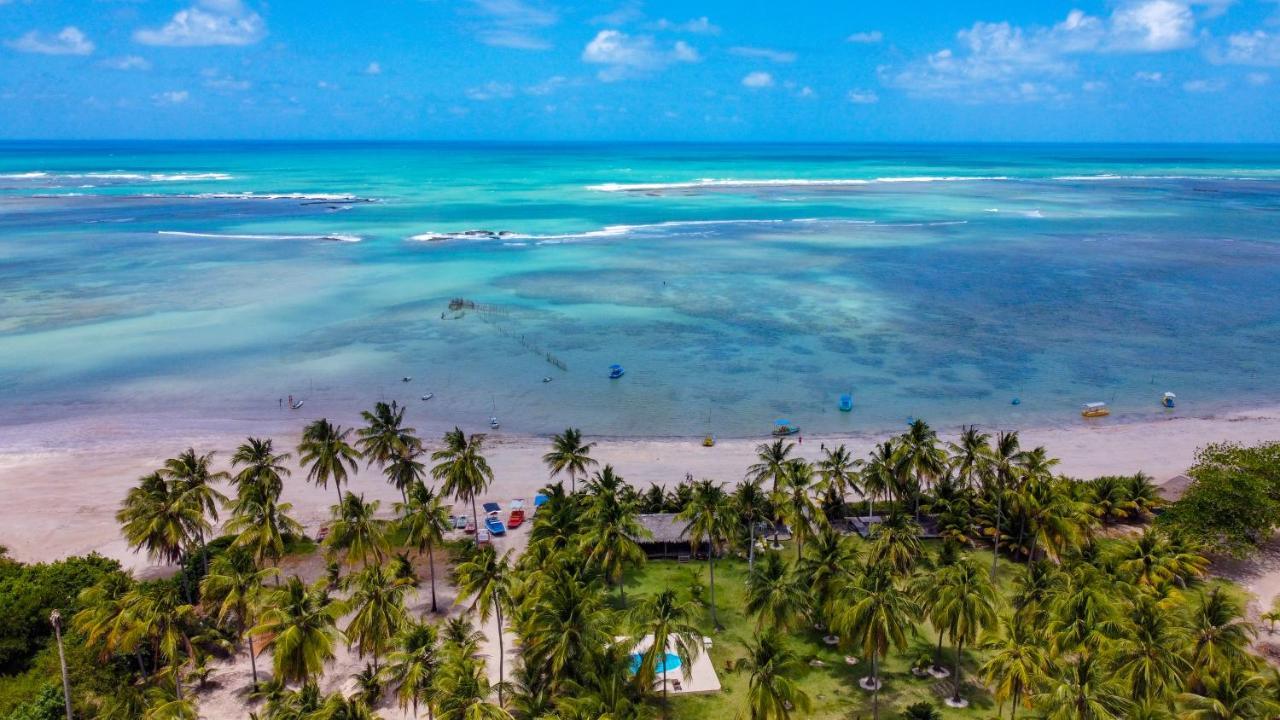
[(1095, 410), (709, 441)]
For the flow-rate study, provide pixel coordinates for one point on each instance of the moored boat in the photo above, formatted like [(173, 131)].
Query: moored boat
[(1095, 410)]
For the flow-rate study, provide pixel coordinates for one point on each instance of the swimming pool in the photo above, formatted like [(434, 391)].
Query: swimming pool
[(669, 662)]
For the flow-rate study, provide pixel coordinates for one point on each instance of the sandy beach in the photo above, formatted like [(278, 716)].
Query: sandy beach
[(62, 483)]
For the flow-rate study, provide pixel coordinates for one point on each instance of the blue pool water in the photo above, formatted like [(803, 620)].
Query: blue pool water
[(669, 663), (737, 284)]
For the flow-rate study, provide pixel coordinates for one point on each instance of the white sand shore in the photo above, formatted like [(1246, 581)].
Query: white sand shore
[(62, 489)]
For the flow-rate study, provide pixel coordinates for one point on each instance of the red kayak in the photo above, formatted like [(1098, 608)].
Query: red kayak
[(516, 520)]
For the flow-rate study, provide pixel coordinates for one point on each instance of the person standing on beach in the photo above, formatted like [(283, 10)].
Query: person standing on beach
[(280, 403), (290, 401)]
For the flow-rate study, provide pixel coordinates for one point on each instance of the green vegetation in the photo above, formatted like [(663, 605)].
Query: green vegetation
[(986, 587), (1233, 502)]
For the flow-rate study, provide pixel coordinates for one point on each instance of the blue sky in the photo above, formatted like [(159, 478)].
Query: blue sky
[(916, 70)]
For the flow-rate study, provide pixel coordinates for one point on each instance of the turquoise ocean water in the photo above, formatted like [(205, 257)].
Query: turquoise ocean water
[(736, 284)]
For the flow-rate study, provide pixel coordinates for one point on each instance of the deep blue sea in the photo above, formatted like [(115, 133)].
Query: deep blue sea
[(736, 283)]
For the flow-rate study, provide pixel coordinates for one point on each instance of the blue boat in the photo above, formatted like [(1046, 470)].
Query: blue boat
[(495, 526), (846, 402), (616, 371)]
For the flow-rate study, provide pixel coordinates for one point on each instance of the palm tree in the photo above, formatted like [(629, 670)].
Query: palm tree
[(1005, 457), (569, 622), (827, 567), (1236, 693), (232, 586), (1220, 637), (463, 469), (487, 578), (261, 467), (302, 626), (880, 473), (668, 623), (839, 473), (569, 455), (709, 518), (1148, 657), (384, 435), (966, 605), (155, 517), (166, 622), (261, 524), (413, 665), (774, 595), (921, 458), (325, 449), (878, 615), (771, 693), (357, 529), (424, 520), (1083, 691), (106, 622), (796, 504), (194, 479), (463, 690), (1152, 559), (403, 469), (772, 462), (751, 506), (612, 524), (896, 542), (377, 604), (1017, 664), (970, 455)]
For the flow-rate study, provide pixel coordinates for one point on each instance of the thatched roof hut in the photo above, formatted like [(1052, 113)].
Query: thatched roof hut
[(666, 536), (1173, 489)]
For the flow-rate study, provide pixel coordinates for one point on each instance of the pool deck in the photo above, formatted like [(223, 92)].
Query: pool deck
[(698, 677)]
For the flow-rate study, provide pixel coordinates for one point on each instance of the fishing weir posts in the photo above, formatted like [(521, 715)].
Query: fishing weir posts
[(489, 314)]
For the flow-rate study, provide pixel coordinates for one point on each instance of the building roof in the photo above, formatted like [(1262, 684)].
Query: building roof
[(1173, 488), (663, 528)]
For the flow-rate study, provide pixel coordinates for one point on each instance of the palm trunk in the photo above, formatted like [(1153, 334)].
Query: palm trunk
[(337, 488), (995, 548), (142, 668), (253, 663), (431, 561), (875, 683), (177, 681), (1031, 555), (711, 564), (959, 651), (751, 549), (475, 518), (62, 661), (501, 653), (1017, 696), (937, 653)]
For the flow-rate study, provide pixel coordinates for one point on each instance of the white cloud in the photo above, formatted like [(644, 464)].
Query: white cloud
[(171, 97), (624, 55), (1150, 77), (757, 80), (492, 90), (778, 56), (1153, 26), (1258, 79), (207, 23), (70, 40), (1203, 86), (1001, 62), (1093, 86), (373, 68), (513, 24), (1258, 48), (869, 37), (215, 80), (548, 86), (627, 12), (127, 62), (863, 97), (806, 92), (699, 26)]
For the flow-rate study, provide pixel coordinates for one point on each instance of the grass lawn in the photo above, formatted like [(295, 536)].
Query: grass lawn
[(833, 688)]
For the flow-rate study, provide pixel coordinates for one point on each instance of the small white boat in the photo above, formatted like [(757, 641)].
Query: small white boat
[(428, 396), (406, 378), (297, 405), (546, 379), (493, 423)]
